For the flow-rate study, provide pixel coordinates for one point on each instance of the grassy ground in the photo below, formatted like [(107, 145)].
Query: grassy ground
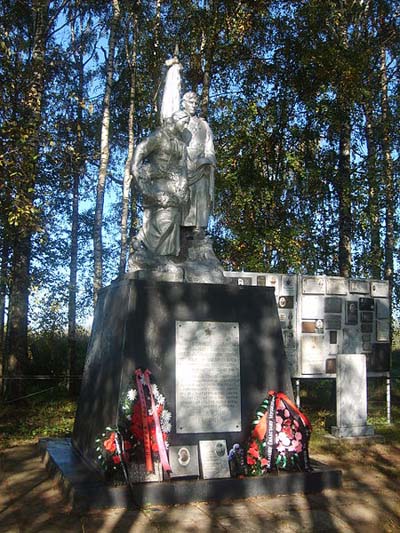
[(52, 413), (48, 415)]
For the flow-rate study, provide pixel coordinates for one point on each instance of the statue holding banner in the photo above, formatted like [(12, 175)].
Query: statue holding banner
[(173, 171)]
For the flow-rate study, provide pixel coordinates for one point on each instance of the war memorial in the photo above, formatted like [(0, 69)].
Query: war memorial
[(185, 370)]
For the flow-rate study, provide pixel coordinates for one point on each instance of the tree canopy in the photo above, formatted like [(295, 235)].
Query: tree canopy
[(303, 100)]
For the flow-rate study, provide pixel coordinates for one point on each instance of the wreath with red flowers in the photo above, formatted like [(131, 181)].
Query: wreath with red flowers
[(279, 437), (123, 444)]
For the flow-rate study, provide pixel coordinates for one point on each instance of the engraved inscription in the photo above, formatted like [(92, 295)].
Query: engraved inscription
[(207, 377)]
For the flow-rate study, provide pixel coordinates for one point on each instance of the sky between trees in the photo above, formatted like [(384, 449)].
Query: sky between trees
[(303, 100)]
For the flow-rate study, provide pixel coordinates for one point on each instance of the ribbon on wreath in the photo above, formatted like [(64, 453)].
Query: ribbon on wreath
[(146, 432), (159, 435)]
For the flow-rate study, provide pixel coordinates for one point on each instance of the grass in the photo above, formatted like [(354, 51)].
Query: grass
[(51, 414), (46, 415)]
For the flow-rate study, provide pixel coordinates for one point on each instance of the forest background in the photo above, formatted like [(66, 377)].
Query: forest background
[(303, 99)]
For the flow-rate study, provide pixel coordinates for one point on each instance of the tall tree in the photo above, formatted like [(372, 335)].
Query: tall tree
[(104, 152), (131, 51), (24, 223)]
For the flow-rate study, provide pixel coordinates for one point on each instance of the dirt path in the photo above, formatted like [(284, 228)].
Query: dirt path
[(369, 501)]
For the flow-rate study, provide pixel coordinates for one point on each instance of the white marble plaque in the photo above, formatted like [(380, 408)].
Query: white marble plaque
[(312, 354), (336, 286), (380, 289), (360, 286), (312, 307), (214, 459), (207, 377), (313, 285)]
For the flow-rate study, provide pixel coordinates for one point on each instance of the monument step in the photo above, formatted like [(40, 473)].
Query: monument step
[(86, 490)]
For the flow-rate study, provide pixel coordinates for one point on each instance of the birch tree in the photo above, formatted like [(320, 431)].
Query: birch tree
[(104, 152)]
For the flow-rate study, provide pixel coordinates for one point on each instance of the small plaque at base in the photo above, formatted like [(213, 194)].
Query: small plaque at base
[(184, 461), (137, 473), (214, 459)]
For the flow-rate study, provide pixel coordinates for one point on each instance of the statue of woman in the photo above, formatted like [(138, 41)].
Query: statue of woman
[(201, 164)]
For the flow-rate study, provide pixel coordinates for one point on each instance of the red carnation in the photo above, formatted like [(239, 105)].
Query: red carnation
[(109, 444)]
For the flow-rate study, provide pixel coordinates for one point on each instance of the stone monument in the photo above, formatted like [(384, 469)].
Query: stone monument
[(351, 397), (213, 349), (173, 172)]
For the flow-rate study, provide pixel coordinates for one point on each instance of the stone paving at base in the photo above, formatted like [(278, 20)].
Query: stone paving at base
[(30, 501)]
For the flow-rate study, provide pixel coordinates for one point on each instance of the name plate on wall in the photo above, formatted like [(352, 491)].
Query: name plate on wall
[(207, 377)]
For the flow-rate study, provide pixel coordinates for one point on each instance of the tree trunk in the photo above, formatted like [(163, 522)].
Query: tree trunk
[(344, 194), (207, 51), (131, 57), (77, 169), (17, 325), (3, 287), (388, 174), (104, 156), (373, 195)]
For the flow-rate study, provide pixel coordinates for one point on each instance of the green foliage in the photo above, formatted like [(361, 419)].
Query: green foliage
[(277, 80), (47, 415), (48, 352)]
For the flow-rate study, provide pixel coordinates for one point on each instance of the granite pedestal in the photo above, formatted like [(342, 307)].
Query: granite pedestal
[(85, 489), (135, 326)]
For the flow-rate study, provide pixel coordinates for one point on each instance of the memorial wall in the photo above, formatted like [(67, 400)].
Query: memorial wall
[(322, 316)]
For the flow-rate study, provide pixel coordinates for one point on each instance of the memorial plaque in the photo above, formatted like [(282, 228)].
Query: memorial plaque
[(367, 316), (214, 459), (351, 341), (333, 337), (360, 286), (261, 281), (244, 281), (137, 473), (382, 331), (312, 354), (283, 321), (366, 327), (382, 309), (336, 286), (184, 461), (333, 305), (207, 377), (285, 302), (366, 347), (289, 342), (288, 285), (286, 318), (352, 313), (330, 367), (333, 321), (312, 307), (366, 304), (312, 326), (380, 289), (313, 285), (272, 280)]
